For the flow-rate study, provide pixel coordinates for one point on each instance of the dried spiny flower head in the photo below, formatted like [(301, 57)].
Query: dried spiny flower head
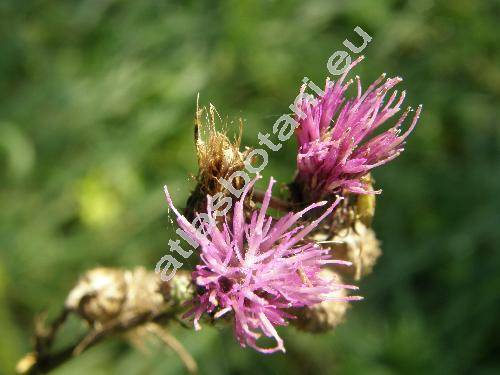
[(218, 157), (337, 144), (105, 294), (99, 295), (257, 269)]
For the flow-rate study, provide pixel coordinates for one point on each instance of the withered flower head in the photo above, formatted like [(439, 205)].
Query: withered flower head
[(105, 294), (99, 295), (218, 157)]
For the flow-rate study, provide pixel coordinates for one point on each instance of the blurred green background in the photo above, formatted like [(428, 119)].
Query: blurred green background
[(96, 114)]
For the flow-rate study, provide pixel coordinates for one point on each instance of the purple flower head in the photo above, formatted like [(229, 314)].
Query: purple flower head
[(258, 268), (337, 145)]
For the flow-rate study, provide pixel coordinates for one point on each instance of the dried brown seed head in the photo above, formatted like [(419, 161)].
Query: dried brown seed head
[(99, 295), (218, 157), (105, 294)]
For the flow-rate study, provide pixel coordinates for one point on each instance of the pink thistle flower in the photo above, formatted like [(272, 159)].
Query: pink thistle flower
[(336, 140), (259, 268)]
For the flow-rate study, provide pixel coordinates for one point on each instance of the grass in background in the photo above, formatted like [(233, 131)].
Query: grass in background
[(96, 114)]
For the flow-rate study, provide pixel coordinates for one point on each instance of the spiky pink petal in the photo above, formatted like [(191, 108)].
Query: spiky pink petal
[(336, 138)]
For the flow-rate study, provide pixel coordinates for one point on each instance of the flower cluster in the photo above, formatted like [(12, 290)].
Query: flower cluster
[(336, 136), (258, 268), (261, 271)]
